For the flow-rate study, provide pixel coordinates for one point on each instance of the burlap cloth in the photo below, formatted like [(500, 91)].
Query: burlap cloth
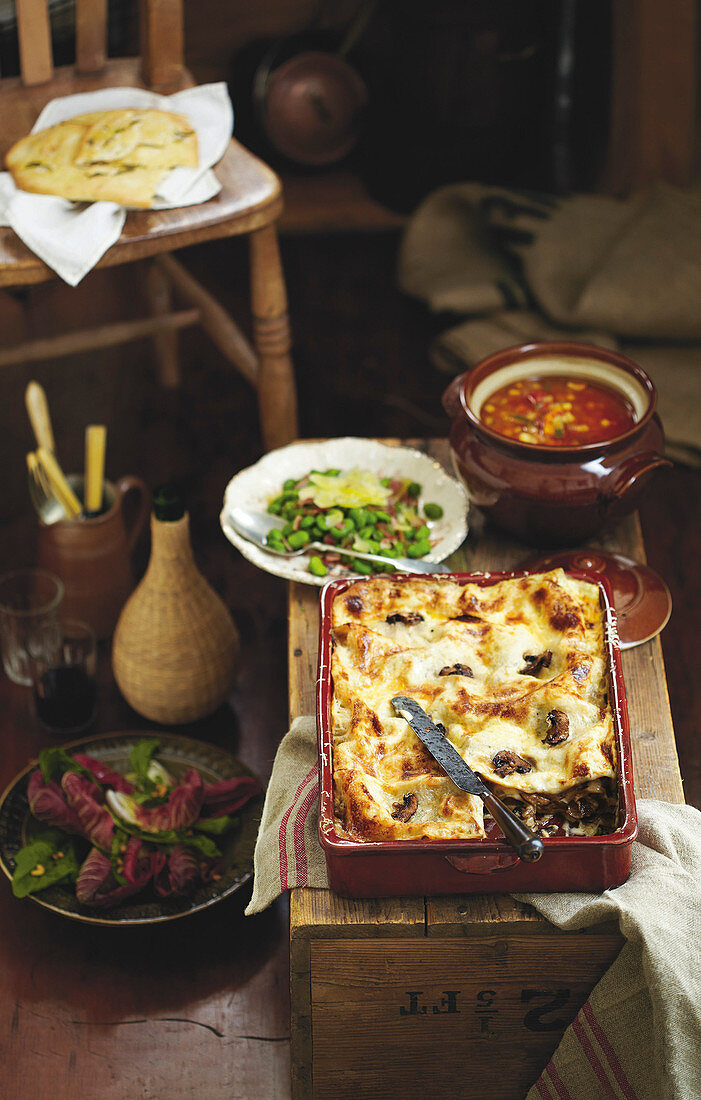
[(588, 268), (638, 1037)]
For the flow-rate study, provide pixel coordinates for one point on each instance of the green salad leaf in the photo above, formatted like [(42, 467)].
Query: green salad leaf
[(217, 826), (140, 758), (50, 858), (54, 762)]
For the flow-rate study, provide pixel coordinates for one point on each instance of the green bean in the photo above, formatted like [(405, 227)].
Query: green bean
[(418, 549), (289, 484), (421, 532), (308, 521), (317, 567), (360, 566), (383, 517), (339, 533), (413, 489), (274, 508), (298, 539), (433, 511)]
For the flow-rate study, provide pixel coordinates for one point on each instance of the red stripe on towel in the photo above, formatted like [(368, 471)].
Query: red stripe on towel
[(616, 1067), (560, 1087), (542, 1088), (300, 852), (593, 1058), (282, 840)]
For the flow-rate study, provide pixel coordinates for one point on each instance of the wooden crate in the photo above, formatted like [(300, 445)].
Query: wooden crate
[(452, 996)]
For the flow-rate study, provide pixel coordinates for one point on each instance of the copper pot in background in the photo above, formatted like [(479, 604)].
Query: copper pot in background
[(310, 105), (553, 496)]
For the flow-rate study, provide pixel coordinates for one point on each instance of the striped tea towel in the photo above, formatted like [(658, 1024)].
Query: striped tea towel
[(288, 852), (638, 1037)]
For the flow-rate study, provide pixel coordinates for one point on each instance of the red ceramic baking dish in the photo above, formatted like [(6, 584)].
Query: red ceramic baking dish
[(486, 864)]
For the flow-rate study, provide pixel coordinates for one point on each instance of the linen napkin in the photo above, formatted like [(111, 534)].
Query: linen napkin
[(638, 1035), (71, 237), (520, 267)]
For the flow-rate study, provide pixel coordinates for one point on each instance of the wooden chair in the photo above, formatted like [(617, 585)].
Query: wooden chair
[(250, 202)]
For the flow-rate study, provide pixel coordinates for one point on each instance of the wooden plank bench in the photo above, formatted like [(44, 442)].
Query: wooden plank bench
[(460, 996)]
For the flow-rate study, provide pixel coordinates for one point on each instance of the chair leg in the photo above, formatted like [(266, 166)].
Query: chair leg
[(277, 396), (160, 301)]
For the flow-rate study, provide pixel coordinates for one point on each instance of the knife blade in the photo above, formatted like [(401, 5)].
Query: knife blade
[(527, 845)]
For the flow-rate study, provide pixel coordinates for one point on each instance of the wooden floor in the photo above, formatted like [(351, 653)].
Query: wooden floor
[(360, 353)]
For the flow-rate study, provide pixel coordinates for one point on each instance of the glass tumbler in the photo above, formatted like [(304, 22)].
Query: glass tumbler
[(29, 604), (65, 687)]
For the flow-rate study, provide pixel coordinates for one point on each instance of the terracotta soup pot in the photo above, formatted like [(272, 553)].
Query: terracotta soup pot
[(553, 495)]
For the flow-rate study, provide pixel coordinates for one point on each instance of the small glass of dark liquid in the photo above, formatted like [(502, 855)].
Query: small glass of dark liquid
[(65, 689)]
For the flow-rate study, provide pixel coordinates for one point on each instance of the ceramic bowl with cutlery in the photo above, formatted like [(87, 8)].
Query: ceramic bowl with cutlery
[(344, 482)]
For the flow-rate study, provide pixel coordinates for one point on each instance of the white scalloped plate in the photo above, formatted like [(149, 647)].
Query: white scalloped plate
[(254, 487)]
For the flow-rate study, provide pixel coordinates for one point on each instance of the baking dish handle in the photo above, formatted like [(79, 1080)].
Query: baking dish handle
[(485, 863)]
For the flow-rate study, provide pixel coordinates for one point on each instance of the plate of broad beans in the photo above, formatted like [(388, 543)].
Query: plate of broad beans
[(347, 493)]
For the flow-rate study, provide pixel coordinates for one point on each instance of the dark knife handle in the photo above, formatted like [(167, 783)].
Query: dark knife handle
[(528, 846)]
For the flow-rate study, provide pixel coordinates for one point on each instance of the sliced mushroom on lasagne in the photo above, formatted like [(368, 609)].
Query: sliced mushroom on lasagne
[(517, 674)]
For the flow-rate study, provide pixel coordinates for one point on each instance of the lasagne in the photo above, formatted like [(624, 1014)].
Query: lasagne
[(517, 674)]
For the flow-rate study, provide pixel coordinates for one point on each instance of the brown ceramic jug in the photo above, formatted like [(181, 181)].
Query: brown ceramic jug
[(93, 556)]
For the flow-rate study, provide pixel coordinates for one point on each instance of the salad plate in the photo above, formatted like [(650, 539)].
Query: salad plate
[(254, 488), (178, 754)]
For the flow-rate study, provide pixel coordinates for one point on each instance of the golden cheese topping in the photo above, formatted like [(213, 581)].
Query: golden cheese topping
[(517, 674), (119, 156)]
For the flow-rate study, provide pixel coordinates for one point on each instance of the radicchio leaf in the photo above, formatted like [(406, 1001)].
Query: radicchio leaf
[(48, 803), (228, 795), (179, 874), (138, 866), (179, 812), (107, 777), (95, 819), (96, 884)]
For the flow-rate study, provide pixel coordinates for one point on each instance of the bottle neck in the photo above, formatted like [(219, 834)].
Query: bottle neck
[(171, 549)]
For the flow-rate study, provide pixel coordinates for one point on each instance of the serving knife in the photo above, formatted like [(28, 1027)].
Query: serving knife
[(527, 845)]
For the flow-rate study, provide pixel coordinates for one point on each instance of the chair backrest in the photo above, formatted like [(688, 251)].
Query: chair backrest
[(161, 31)]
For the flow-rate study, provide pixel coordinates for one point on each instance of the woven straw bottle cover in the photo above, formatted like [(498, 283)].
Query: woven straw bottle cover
[(175, 646)]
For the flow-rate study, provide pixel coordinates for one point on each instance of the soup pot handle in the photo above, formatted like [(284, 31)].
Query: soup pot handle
[(625, 477), (451, 396), (130, 484)]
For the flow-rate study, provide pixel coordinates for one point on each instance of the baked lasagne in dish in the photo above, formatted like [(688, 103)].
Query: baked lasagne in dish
[(517, 673)]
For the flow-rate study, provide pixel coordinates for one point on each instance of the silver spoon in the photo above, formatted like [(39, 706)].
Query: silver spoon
[(254, 527)]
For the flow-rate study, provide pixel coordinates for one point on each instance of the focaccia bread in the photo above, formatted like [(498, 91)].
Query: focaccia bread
[(516, 672), (118, 156)]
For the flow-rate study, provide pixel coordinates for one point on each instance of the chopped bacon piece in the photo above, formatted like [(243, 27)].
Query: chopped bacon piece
[(558, 728), (534, 662), (409, 618), (506, 762), (456, 670), (403, 811)]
